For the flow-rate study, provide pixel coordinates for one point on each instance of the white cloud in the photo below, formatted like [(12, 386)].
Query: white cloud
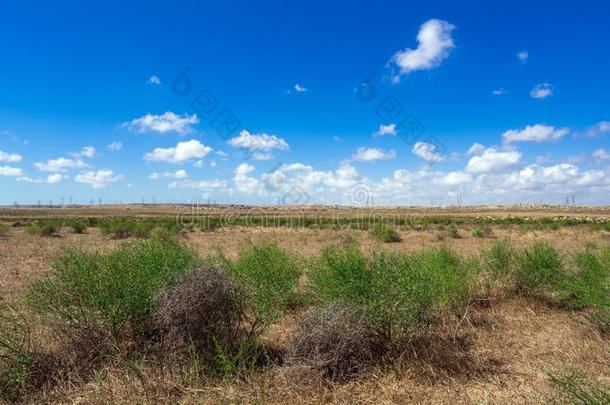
[(499, 92), (427, 152), (523, 56), (243, 181), (182, 152), (200, 185), (475, 149), (10, 171), (299, 88), (492, 161), (493, 181), (372, 154), (386, 130), (259, 145), (534, 133), (97, 179), (534, 177), (10, 157), (542, 90), (86, 151), (178, 174), (60, 164), (601, 155), (222, 153), (154, 79), (434, 44), (455, 179), (167, 122), (115, 146), (599, 129), (51, 179)]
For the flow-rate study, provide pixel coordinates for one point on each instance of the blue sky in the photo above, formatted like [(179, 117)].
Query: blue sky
[(510, 99)]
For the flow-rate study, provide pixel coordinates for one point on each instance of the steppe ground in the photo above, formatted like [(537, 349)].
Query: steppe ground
[(513, 344)]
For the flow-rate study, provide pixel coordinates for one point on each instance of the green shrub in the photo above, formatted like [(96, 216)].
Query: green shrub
[(500, 259), (483, 232), (590, 285), (78, 225), (118, 228), (541, 273), (394, 294), (4, 229), (111, 293), (384, 233), (45, 227), (269, 275), (32, 229)]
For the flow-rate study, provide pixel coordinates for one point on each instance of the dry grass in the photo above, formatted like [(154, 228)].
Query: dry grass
[(501, 353)]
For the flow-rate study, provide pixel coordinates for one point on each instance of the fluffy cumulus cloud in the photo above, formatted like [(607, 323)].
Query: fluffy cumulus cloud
[(182, 152), (541, 91), (50, 179), (597, 130), (491, 175), (389, 129), (10, 171), (454, 179), (10, 157), (373, 154), (434, 45), (492, 161), (164, 123), (178, 174), (601, 155), (244, 182), (300, 88), (115, 146), (475, 149), (259, 146), (499, 92), (523, 56), (427, 152), (60, 165), (97, 179), (534, 133), (86, 151)]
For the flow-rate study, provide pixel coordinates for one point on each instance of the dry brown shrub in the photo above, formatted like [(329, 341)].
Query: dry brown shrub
[(204, 308), (334, 341)]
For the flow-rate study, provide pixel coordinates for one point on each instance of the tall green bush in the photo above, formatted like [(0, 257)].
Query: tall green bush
[(270, 276), (113, 291), (395, 294)]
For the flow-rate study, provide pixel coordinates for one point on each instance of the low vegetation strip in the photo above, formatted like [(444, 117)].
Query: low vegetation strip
[(384, 226), (157, 299)]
